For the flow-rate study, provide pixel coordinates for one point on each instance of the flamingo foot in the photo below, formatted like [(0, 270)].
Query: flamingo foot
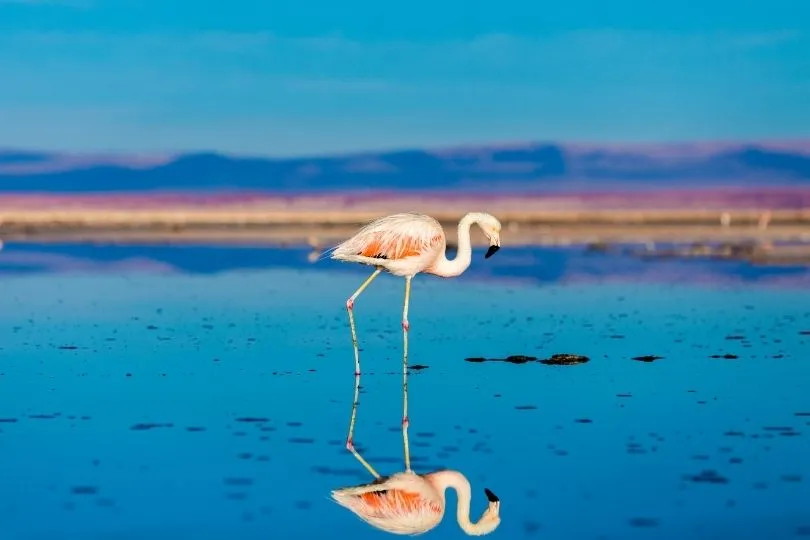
[(406, 325)]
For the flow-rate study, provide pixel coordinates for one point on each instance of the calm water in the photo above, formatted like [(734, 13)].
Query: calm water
[(167, 393)]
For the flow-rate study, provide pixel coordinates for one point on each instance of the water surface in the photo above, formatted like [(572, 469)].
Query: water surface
[(205, 392)]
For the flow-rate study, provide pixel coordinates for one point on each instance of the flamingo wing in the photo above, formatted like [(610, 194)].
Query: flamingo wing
[(393, 237), (390, 502), (400, 504)]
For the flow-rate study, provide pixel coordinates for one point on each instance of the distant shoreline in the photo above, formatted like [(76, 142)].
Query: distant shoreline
[(737, 216), (565, 196)]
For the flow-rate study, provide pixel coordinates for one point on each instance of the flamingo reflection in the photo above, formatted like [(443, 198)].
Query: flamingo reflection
[(411, 503)]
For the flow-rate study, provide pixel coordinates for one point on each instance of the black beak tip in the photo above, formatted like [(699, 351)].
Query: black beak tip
[(491, 497), (491, 251)]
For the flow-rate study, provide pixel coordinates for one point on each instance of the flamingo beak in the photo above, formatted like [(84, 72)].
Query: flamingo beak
[(491, 497), (491, 251)]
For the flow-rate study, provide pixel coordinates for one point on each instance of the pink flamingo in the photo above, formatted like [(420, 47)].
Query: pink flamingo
[(405, 245), (410, 503)]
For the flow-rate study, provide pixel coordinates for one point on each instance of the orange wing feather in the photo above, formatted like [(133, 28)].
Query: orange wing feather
[(397, 500), (406, 247)]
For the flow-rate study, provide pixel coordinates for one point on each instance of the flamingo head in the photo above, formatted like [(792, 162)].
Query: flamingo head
[(491, 518), (492, 230)]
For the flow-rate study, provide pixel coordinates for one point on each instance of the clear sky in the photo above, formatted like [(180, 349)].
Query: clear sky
[(288, 77)]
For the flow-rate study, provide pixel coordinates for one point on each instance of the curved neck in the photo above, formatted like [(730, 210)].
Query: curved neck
[(455, 267), (453, 479)]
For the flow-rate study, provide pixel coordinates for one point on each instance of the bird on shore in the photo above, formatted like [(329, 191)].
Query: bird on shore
[(404, 245), (409, 503)]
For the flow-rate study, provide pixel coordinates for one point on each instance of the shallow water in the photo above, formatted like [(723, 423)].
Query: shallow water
[(205, 393)]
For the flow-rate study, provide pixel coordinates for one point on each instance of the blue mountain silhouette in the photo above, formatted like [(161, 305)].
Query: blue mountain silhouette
[(531, 167)]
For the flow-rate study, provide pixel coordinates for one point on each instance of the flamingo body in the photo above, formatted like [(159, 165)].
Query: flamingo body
[(404, 503), (412, 504), (403, 244)]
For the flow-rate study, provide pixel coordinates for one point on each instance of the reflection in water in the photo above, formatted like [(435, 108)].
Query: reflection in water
[(181, 402), (519, 265), (410, 503)]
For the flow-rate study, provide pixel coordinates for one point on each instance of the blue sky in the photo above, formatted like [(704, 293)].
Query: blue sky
[(283, 77)]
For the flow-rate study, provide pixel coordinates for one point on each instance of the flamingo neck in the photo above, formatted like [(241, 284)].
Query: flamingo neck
[(455, 267), (454, 479)]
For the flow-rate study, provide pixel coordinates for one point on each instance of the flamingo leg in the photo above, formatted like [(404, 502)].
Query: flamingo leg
[(350, 310), (350, 437), (405, 328), (349, 440)]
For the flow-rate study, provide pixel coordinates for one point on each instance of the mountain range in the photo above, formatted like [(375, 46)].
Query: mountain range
[(540, 167)]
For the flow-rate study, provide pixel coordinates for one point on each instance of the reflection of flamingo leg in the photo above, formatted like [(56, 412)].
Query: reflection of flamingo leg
[(405, 327), (349, 440)]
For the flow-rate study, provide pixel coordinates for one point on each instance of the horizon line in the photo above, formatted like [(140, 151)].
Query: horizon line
[(695, 145)]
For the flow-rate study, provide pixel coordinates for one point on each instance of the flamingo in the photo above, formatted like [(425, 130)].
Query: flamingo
[(405, 245), (409, 503)]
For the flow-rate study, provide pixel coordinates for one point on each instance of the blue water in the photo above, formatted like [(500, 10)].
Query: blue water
[(205, 392)]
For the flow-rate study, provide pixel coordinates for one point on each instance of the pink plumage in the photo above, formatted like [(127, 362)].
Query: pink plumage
[(410, 503)]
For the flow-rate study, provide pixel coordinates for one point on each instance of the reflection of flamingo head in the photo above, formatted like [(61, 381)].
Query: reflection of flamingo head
[(491, 497), (491, 518)]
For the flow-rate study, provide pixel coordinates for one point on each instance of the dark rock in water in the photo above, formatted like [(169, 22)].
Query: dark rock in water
[(565, 359), (513, 359), (643, 522), (793, 478), (726, 356), (707, 477), (148, 426), (647, 358), (238, 481), (778, 428), (519, 359), (84, 490)]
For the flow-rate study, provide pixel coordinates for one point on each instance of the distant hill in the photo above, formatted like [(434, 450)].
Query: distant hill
[(528, 167)]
